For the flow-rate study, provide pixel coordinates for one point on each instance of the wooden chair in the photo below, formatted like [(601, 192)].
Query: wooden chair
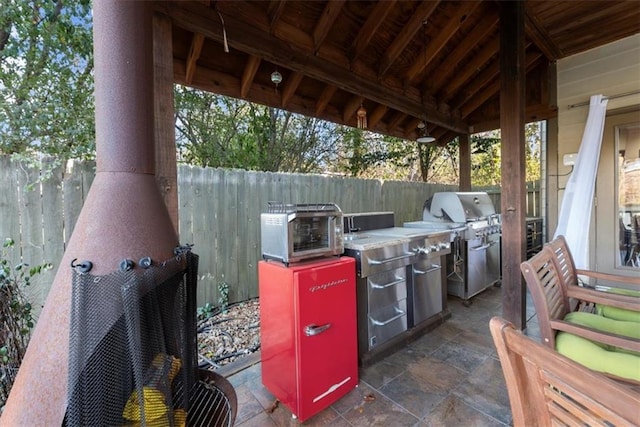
[(569, 274), (546, 388), (551, 291)]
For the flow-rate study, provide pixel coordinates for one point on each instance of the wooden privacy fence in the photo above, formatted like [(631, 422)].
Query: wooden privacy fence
[(219, 212)]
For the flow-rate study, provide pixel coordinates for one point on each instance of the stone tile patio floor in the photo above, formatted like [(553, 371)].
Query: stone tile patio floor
[(451, 376)]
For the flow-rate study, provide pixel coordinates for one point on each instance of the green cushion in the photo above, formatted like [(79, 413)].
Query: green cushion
[(597, 356), (620, 313)]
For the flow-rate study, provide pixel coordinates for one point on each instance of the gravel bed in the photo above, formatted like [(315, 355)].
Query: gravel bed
[(228, 336)]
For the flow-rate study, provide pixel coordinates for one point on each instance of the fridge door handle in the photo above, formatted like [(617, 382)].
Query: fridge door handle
[(311, 330)]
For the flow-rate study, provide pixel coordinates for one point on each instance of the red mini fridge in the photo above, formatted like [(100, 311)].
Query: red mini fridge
[(308, 332)]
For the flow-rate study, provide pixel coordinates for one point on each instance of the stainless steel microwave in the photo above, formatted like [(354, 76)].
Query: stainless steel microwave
[(295, 232)]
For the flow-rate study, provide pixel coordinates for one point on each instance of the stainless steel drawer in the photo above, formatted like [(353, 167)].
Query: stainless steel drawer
[(386, 258), (386, 288), (427, 289), (387, 322)]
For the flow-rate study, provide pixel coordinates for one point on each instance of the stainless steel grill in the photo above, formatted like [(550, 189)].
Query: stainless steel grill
[(399, 280), (474, 262)]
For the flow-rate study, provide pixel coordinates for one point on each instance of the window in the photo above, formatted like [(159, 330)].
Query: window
[(628, 175)]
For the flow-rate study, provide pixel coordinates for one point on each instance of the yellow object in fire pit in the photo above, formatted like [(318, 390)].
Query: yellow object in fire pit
[(154, 406), (161, 372)]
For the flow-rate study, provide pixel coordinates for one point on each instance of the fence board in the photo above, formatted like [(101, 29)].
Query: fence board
[(10, 207), (73, 197), (31, 225), (53, 223), (199, 206), (184, 205)]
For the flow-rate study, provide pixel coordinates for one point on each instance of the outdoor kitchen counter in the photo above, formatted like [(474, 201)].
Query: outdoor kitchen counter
[(365, 240), (400, 285)]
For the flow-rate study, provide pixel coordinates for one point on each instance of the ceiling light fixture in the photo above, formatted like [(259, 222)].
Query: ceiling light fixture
[(425, 138), (276, 77)]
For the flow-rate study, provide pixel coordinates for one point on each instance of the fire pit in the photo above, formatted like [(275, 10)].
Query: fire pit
[(133, 350)]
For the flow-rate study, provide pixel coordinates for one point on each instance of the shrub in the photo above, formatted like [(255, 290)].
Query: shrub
[(16, 318)]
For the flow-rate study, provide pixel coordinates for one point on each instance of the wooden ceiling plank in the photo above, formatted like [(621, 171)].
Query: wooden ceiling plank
[(329, 16), (475, 37), (374, 20), (440, 41), (540, 37), (194, 53), (324, 98), (424, 10), (350, 108), (252, 40), (290, 87), (248, 74), (275, 11)]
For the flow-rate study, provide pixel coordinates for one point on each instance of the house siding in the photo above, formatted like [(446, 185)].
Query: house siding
[(611, 70)]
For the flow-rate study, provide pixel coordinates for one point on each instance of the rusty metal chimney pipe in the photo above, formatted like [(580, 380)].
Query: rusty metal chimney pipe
[(124, 215), (124, 107)]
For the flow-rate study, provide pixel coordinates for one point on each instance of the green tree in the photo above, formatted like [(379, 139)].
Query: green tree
[(46, 81), (219, 131)]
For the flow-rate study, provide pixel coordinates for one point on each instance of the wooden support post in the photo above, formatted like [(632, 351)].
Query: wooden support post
[(512, 108), (465, 162), (164, 127)]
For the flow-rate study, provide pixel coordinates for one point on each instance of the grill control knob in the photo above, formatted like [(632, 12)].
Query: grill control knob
[(444, 245)]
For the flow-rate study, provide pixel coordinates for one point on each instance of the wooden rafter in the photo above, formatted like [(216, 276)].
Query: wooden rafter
[(396, 119), (438, 43), (411, 126), (194, 53), (274, 11), (329, 16), (290, 87), (481, 58), (424, 10), (248, 74), (254, 41), (374, 20), (478, 94), (536, 32), (377, 115), (476, 36), (351, 107), (324, 98)]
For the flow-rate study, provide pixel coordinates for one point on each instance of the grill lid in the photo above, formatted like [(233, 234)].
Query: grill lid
[(458, 207)]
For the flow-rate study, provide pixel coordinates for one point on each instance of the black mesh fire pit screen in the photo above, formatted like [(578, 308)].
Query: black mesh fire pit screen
[(133, 346)]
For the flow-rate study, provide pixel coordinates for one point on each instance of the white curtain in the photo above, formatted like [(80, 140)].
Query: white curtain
[(577, 203)]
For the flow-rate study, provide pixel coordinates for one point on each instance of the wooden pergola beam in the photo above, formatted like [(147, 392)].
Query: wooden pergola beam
[(513, 207)]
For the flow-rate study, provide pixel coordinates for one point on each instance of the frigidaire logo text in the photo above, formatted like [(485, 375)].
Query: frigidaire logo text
[(324, 286)]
